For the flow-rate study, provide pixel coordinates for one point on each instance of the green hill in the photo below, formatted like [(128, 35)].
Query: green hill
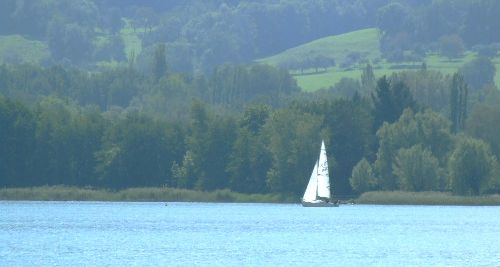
[(351, 51), (363, 43)]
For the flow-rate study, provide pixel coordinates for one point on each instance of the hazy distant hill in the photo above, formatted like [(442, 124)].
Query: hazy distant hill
[(202, 34), (344, 48)]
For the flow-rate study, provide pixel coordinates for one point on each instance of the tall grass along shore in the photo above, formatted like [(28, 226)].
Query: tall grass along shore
[(425, 198), (64, 193)]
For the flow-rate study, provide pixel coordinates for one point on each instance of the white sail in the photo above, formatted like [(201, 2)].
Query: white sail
[(317, 193), (323, 177), (312, 186)]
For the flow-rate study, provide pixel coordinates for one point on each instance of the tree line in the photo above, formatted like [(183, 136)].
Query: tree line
[(200, 35), (248, 129), (447, 27)]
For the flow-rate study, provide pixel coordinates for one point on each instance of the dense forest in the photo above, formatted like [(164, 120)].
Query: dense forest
[(191, 109), (120, 129), (200, 34)]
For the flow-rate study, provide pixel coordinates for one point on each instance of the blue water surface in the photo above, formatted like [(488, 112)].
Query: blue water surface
[(191, 234)]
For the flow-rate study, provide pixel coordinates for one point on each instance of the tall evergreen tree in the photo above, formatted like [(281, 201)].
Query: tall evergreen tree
[(159, 62), (368, 78), (389, 101), (458, 103)]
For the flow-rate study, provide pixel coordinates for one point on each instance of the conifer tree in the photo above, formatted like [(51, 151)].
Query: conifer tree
[(458, 103), (159, 62)]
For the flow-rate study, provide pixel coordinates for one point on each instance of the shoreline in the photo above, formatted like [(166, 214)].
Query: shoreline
[(165, 194), (140, 194), (428, 198)]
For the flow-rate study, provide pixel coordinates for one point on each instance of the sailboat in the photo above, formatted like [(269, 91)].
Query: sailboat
[(317, 193)]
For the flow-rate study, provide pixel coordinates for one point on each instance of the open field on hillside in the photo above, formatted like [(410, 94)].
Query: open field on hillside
[(365, 44), (133, 44), (315, 81), (340, 47), (17, 49)]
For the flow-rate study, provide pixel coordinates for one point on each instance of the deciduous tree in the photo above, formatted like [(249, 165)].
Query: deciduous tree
[(470, 167)]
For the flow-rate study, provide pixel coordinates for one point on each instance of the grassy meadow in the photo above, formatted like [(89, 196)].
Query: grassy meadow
[(17, 49), (315, 81), (364, 43), (131, 40)]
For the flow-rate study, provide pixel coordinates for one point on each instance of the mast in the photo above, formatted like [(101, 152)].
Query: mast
[(317, 184), (323, 187)]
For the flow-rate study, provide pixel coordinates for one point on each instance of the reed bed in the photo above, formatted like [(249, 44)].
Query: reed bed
[(65, 193), (166, 194), (426, 198)]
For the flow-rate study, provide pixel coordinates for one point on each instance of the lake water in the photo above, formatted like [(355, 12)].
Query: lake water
[(152, 234)]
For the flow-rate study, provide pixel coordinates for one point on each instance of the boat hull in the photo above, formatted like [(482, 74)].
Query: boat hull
[(319, 204)]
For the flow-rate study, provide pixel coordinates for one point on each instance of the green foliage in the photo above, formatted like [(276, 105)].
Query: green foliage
[(451, 46), (347, 88), (17, 127), (255, 117), (208, 147), (233, 86), (484, 123), (392, 18), (429, 88), (201, 35), (391, 97), (470, 167), (481, 22), (458, 103), (362, 178), (479, 73), (368, 78), (427, 128), (112, 49), (64, 39), (137, 151), (170, 97), (184, 175), (250, 159), (220, 137), (347, 124), (66, 139), (244, 128), (249, 163), (292, 140), (159, 63), (416, 169)]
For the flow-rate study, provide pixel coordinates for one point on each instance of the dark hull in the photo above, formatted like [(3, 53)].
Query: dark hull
[(319, 204)]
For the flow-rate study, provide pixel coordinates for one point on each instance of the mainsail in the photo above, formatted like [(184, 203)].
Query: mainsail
[(319, 183)]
